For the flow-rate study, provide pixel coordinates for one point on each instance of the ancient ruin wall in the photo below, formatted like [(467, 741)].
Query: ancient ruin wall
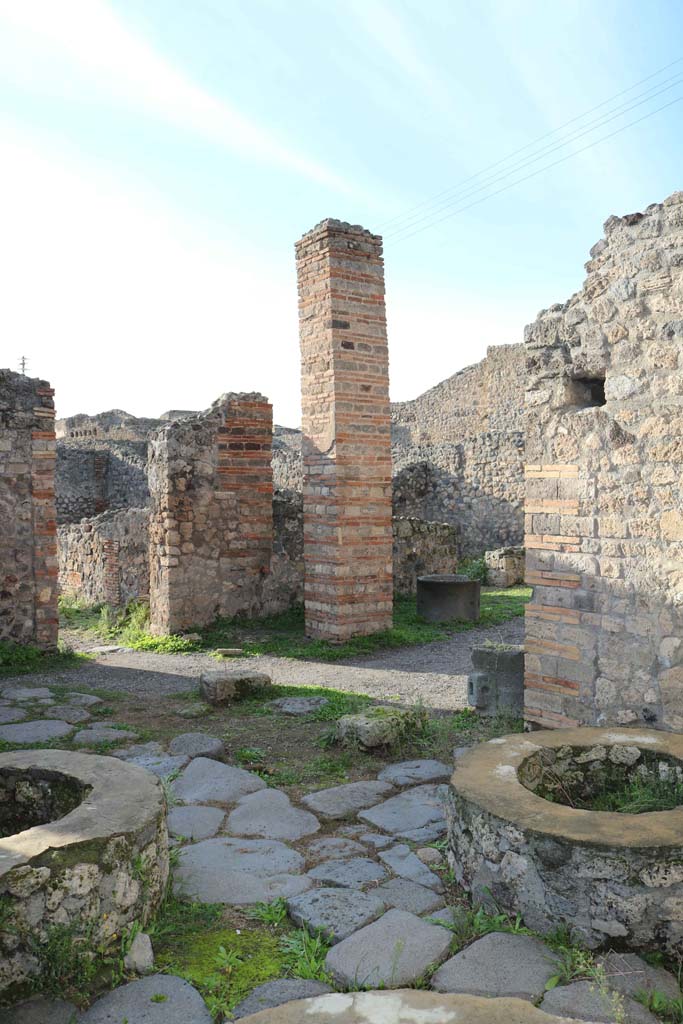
[(28, 548), (93, 476), (604, 505), (211, 525), (105, 560), (346, 432)]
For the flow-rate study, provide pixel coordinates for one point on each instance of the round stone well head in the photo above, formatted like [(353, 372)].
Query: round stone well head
[(525, 834), (83, 847)]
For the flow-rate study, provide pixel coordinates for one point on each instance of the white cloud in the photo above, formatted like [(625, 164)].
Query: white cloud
[(97, 44), (120, 304)]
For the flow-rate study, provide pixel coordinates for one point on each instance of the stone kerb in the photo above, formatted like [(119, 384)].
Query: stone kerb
[(346, 432), (211, 524)]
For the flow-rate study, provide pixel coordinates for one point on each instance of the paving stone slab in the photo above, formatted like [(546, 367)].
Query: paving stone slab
[(337, 913), (376, 840), (161, 765), (414, 811), (39, 731), (136, 1003), (391, 952), (26, 693), (411, 773), (9, 714), (240, 871), (106, 649), (69, 713), (277, 993), (299, 705), (402, 861), (629, 974), (102, 734), (406, 895), (40, 1011), (499, 965), (84, 700), (351, 874), (221, 686), (152, 748), (344, 801), (194, 821), (334, 848), (583, 1001), (208, 781), (404, 1006), (269, 814), (197, 744), (449, 917)]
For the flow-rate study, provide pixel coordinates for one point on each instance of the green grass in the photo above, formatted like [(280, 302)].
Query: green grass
[(283, 634), (638, 796), (19, 660)]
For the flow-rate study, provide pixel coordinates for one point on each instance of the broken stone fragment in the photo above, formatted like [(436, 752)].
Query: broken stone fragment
[(222, 686), (378, 727), (140, 957)]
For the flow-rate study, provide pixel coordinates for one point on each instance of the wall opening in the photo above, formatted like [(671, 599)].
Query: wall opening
[(588, 392)]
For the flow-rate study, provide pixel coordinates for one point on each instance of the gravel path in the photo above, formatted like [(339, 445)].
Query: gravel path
[(435, 674)]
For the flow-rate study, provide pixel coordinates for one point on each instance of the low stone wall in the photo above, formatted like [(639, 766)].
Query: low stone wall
[(95, 475), (505, 567), (421, 548), (106, 559)]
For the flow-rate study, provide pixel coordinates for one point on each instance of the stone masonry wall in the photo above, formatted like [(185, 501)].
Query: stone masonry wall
[(211, 526), (28, 549), (346, 432), (604, 502), (94, 475), (105, 560)]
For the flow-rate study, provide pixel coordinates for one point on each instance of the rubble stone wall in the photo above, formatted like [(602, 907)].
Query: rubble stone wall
[(211, 524), (28, 545), (105, 560), (604, 499), (346, 432), (93, 476)]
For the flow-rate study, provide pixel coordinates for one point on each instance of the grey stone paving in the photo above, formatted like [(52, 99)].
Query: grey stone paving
[(194, 821), (277, 993), (269, 814), (629, 974), (208, 781), (21, 693), (406, 895), (39, 731), (376, 840), (415, 813), (9, 714), (197, 744), (102, 734), (240, 871), (391, 952), (138, 1003), (402, 861), (499, 965), (353, 873), (337, 913), (161, 765), (334, 848), (411, 773), (344, 801), (582, 1000), (39, 1011), (299, 705), (84, 700), (69, 713)]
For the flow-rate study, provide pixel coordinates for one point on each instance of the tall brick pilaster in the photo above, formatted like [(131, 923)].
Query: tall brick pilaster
[(28, 527), (346, 432), (211, 522)]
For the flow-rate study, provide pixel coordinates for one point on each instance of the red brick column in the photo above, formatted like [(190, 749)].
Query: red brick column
[(346, 432)]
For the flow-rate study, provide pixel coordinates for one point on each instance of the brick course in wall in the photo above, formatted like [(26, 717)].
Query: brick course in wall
[(28, 547), (211, 524), (346, 432), (105, 559), (604, 491)]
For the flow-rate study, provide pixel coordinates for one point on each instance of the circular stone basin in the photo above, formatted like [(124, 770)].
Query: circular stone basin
[(76, 852), (443, 598), (609, 875)]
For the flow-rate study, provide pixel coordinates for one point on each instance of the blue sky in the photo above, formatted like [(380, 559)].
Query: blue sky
[(160, 158)]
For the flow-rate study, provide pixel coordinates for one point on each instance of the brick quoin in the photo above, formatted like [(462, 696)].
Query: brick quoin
[(348, 587)]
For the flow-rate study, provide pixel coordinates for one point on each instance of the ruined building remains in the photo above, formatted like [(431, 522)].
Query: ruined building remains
[(604, 498), (346, 432), (211, 524), (28, 542)]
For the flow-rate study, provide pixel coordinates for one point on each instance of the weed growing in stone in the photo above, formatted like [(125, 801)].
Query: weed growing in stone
[(272, 914), (305, 955)]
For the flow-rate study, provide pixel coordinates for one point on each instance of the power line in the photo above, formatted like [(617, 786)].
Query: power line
[(540, 170), (529, 145), (541, 154)]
